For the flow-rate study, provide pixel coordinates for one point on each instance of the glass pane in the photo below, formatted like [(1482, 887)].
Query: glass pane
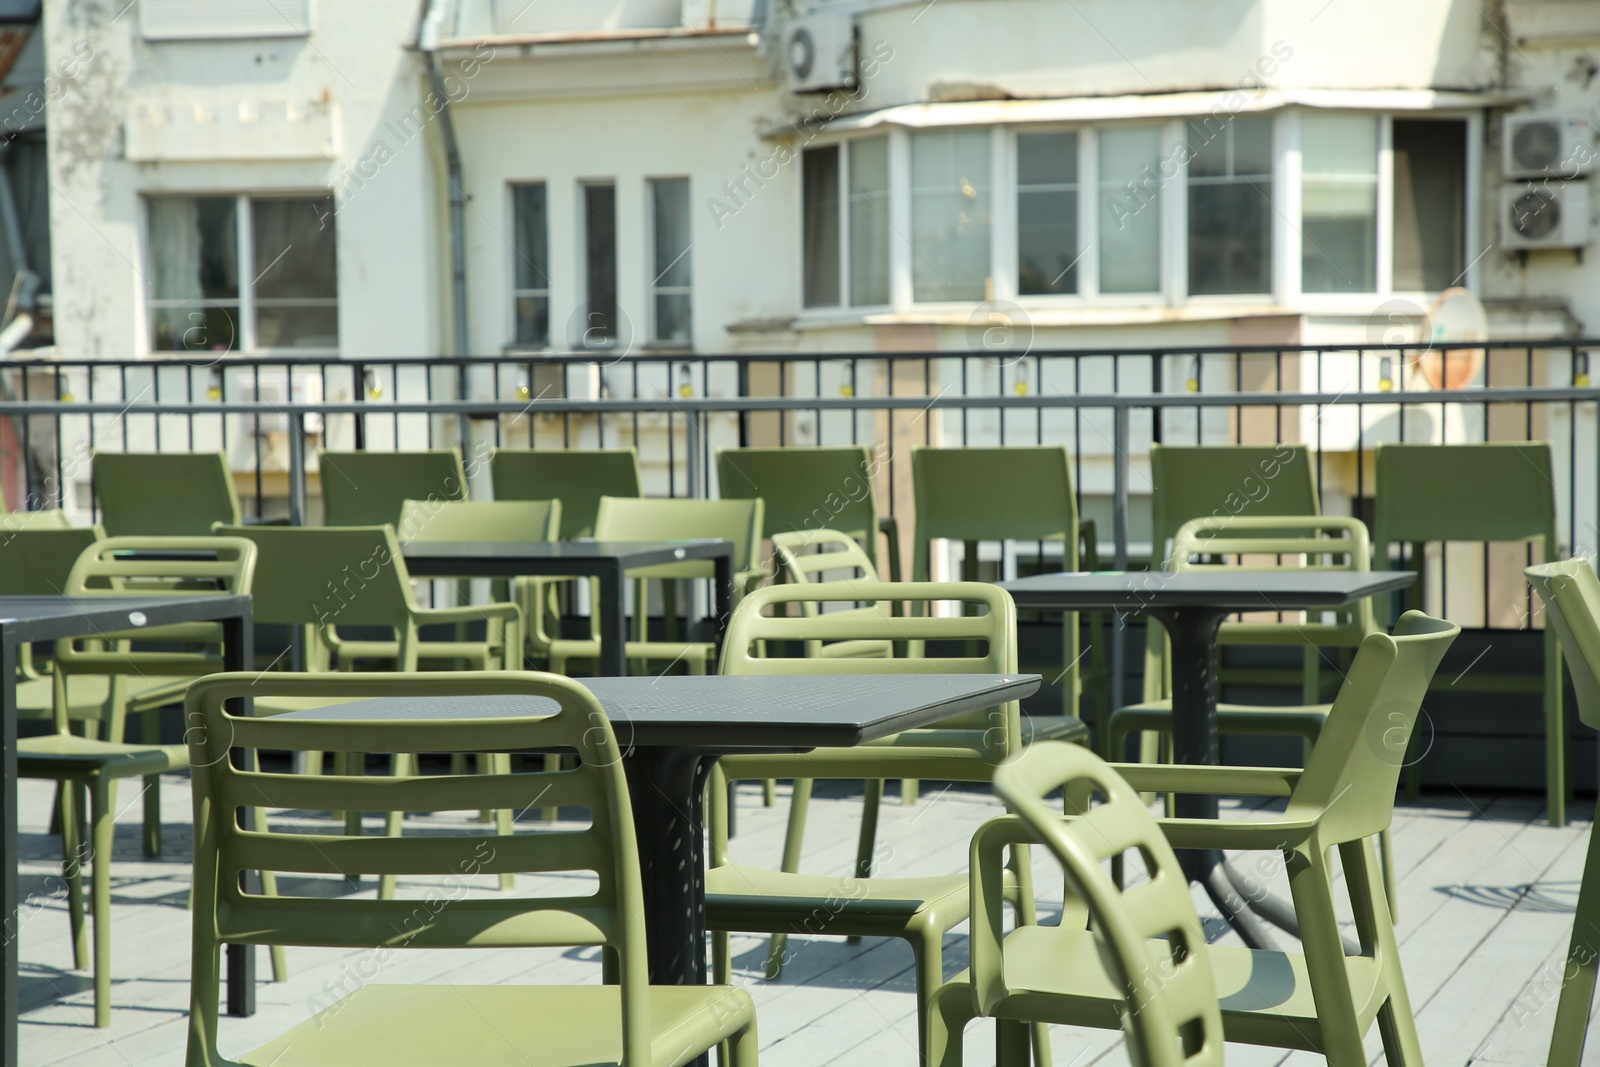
[(1430, 192), (193, 328), (600, 262), (869, 221), (1208, 148), (194, 248), (1252, 144), (1047, 213), (1230, 213), (1130, 210), (294, 248), (950, 214), (672, 318), (533, 320), (820, 175), (290, 326), (530, 236), (1339, 203), (670, 206)]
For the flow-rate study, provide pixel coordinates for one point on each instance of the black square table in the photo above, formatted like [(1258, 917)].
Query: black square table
[(1191, 606), (672, 729), (26, 619), (608, 561)]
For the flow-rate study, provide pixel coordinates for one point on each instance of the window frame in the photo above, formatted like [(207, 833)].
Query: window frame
[(513, 254), (652, 288), (244, 238), (1285, 290)]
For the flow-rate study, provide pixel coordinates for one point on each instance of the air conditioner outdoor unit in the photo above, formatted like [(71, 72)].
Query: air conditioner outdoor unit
[(819, 53), (1546, 146), (1536, 215)]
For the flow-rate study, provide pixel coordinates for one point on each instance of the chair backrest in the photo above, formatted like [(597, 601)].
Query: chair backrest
[(658, 519), (831, 551), (578, 477), (1171, 1015), (976, 644), (807, 488), (38, 562), (1571, 596), (1259, 542), (1227, 480), (480, 520), (562, 716), (369, 488), (1021, 493), (329, 576), (151, 494), (1501, 491), (1355, 764)]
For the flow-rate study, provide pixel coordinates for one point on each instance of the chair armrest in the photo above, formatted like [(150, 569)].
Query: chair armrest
[(1240, 835), (468, 613), (1088, 546), (1238, 781), (985, 923)]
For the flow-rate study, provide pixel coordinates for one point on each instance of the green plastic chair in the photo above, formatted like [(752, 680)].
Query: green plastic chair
[(1228, 481), (1571, 597), (157, 494), (639, 519), (1153, 959), (813, 489), (1261, 542), (1500, 492), (370, 488), (966, 748), (87, 765), (17, 521), (626, 1021), (1021, 493), (578, 477), (1318, 1000), (323, 578)]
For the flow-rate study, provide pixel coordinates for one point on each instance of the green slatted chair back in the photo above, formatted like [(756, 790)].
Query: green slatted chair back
[(370, 488), (1227, 480), (475, 520), (807, 488), (578, 477), (563, 717), (1502, 491), (1350, 779), (811, 556), (1570, 593), (659, 519), (1150, 938), (150, 494), (1260, 542), (965, 644)]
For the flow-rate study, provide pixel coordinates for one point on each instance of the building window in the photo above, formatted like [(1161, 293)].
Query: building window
[(1339, 203), (868, 184), (244, 273), (530, 297), (670, 287), (1430, 198), (599, 265), (820, 206), (950, 214), (1230, 210), (1047, 213), (1130, 209)]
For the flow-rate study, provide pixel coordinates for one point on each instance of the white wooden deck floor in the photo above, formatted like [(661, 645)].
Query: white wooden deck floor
[(1486, 908)]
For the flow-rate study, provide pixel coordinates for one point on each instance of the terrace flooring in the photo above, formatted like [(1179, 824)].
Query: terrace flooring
[(1486, 898)]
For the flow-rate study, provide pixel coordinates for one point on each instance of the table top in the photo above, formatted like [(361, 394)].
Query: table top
[(720, 713), (1289, 589), (49, 618), (459, 558)]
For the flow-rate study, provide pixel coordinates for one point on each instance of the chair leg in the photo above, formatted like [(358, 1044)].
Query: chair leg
[(100, 868), (500, 763), (793, 839), (950, 1010), (742, 1047), (1555, 733), (1312, 888), (1391, 891), (908, 791), (401, 766), (552, 764), (769, 792), (928, 949), (866, 843), (1583, 959), (1011, 1043), (73, 854), (269, 887), (150, 734)]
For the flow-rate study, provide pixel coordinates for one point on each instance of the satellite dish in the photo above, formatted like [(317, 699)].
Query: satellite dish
[(1457, 316)]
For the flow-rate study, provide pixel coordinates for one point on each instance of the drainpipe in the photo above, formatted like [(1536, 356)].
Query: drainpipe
[(428, 44)]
